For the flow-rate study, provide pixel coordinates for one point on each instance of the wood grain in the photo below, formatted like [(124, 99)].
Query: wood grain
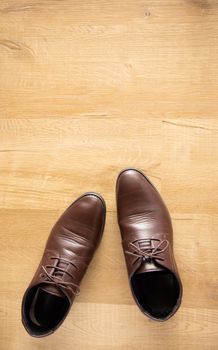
[(88, 88)]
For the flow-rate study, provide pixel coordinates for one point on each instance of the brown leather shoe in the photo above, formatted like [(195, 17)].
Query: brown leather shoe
[(68, 252), (147, 239)]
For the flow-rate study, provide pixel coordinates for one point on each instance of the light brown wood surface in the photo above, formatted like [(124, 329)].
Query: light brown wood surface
[(88, 87)]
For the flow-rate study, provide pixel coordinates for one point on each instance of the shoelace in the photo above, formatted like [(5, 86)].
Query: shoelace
[(147, 253), (57, 281)]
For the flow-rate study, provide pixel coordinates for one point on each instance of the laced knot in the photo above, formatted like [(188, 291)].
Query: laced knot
[(55, 277), (142, 250)]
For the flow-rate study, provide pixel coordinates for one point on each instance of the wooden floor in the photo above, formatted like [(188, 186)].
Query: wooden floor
[(89, 87)]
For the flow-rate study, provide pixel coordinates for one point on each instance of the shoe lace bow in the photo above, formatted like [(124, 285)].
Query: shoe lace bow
[(142, 250)]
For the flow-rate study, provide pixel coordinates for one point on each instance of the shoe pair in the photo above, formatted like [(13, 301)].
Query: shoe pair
[(147, 239)]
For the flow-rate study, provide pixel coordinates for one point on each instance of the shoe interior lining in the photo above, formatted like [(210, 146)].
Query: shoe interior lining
[(157, 292), (43, 311)]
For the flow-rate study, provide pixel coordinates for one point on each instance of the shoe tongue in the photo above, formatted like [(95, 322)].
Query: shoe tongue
[(52, 289), (149, 266)]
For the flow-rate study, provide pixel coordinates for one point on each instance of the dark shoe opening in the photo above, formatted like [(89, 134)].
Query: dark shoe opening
[(157, 292), (43, 311)]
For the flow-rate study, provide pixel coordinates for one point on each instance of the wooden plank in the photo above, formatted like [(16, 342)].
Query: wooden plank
[(103, 326), (48, 163), (139, 59), (189, 167)]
